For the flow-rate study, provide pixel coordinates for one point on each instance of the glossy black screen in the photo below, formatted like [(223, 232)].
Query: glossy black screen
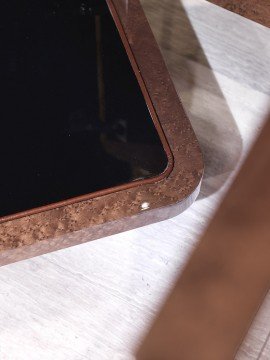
[(73, 117)]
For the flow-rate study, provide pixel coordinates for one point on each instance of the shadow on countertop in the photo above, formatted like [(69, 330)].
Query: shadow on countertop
[(199, 91)]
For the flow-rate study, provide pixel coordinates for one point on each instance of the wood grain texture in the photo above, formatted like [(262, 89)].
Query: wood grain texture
[(256, 10), (97, 301)]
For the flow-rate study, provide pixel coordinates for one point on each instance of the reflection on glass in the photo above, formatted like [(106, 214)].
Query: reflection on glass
[(73, 118)]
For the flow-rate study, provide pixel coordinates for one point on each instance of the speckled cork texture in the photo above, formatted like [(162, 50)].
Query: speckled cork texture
[(256, 10), (73, 222)]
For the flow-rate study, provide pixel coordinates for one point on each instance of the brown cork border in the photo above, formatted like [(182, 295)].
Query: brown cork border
[(114, 210)]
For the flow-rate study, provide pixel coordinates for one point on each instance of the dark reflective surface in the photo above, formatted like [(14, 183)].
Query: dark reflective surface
[(73, 118)]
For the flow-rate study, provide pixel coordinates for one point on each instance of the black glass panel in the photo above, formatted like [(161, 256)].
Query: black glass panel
[(73, 118)]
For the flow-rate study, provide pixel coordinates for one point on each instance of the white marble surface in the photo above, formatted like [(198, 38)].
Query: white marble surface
[(96, 301)]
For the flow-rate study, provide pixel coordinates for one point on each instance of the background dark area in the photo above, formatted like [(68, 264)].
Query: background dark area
[(53, 144)]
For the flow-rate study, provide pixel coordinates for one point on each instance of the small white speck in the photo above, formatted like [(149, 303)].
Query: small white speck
[(145, 206)]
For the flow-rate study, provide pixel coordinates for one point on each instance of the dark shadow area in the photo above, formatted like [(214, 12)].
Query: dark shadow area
[(199, 91), (73, 116)]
